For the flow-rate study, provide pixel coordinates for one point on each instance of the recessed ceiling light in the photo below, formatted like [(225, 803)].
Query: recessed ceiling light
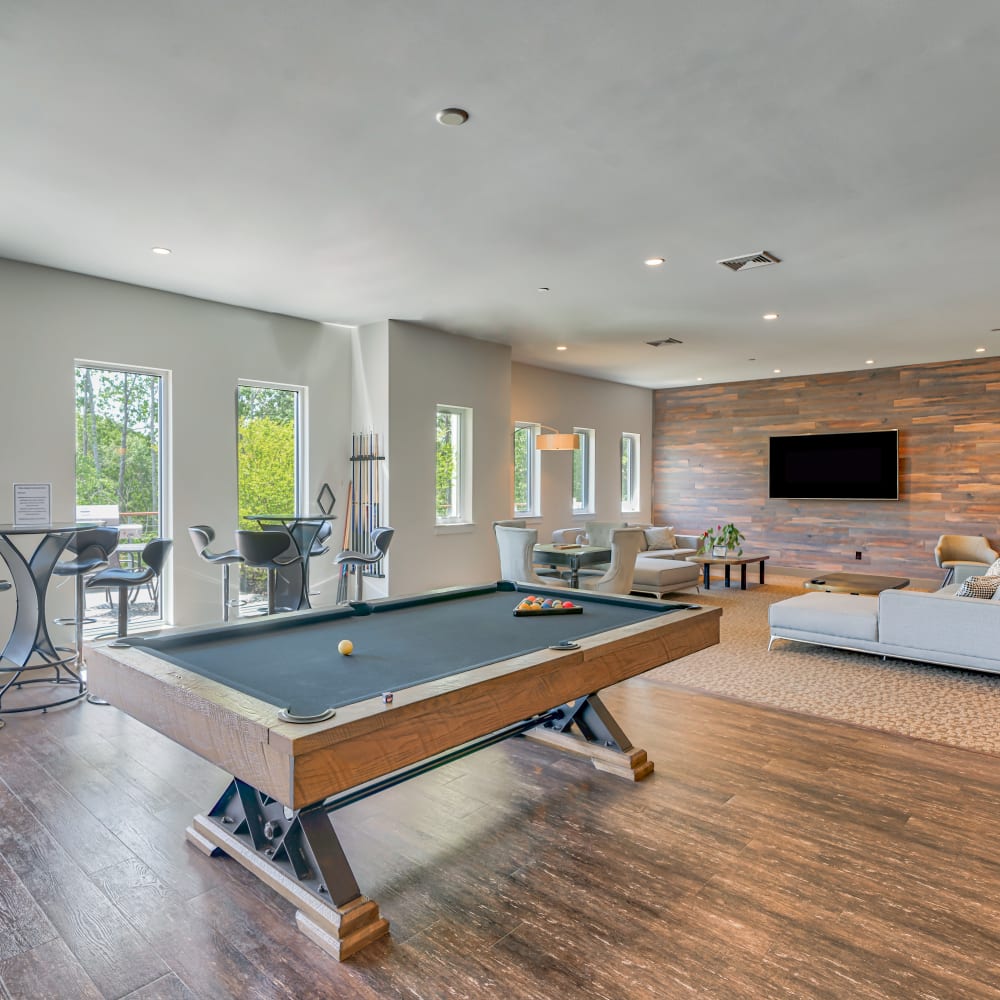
[(162, 250), (654, 261), (870, 361), (698, 379), (561, 347), (980, 350), (452, 116), (777, 371), (770, 316)]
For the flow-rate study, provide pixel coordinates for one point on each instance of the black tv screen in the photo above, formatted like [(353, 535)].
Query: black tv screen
[(856, 466)]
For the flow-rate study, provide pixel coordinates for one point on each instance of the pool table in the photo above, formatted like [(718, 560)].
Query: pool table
[(305, 730)]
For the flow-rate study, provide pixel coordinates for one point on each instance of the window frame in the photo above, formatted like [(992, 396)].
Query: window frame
[(301, 469), (462, 475), (165, 594), (585, 455), (631, 491), (533, 470)]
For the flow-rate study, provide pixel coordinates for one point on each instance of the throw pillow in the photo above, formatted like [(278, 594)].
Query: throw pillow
[(660, 538), (994, 570), (983, 587)]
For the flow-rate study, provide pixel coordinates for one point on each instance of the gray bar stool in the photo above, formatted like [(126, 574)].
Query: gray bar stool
[(355, 562), (154, 555), (268, 550), (92, 548), (201, 537)]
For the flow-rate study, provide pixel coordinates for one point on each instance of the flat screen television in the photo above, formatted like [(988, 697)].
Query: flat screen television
[(863, 465)]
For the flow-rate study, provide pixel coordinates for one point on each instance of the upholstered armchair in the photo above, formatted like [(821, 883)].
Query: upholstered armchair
[(625, 545), (963, 555), (516, 547)]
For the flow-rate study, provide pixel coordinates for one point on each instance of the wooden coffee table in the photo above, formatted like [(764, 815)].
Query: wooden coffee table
[(855, 583), (728, 561)]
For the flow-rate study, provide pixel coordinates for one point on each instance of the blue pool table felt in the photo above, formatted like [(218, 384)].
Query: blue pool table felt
[(293, 659)]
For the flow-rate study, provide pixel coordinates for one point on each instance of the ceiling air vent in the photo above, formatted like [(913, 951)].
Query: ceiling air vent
[(660, 343), (748, 260)]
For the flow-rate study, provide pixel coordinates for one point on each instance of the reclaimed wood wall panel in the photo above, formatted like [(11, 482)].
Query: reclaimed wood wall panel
[(710, 452)]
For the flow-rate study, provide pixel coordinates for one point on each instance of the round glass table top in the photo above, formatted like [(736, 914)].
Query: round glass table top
[(52, 528)]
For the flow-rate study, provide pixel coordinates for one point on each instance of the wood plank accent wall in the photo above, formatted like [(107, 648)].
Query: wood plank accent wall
[(710, 447)]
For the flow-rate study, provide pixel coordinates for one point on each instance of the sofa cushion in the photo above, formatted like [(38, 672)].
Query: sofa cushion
[(659, 554), (983, 587), (840, 616), (660, 538), (664, 575)]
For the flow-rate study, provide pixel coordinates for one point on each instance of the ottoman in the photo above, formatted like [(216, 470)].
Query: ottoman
[(664, 576), (849, 621)]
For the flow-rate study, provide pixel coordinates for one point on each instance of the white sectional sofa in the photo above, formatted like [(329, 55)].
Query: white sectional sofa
[(658, 571), (939, 628)]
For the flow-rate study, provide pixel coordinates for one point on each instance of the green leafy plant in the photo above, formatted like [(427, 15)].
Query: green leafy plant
[(727, 535)]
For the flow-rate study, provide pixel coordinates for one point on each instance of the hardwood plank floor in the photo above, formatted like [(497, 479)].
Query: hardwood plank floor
[(770, 855)]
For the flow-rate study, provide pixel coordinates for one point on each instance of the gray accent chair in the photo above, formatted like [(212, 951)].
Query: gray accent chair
[(516, 547), (963, 556), (625, 546)]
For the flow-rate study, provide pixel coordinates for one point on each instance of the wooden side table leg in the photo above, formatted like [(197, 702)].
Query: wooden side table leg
[(743, 576)]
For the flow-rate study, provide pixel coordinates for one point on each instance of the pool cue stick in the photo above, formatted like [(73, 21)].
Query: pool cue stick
[(342, 581), (373, 451)]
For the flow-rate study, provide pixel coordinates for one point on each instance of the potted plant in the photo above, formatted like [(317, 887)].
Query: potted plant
[(723, 541)]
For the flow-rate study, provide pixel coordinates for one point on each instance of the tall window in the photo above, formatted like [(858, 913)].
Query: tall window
[(630, 473), (269, 465), (453, 465), (583, 472), (526, 488), (119, 474)]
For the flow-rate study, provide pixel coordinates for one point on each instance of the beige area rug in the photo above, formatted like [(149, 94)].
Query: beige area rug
[(946, 705)]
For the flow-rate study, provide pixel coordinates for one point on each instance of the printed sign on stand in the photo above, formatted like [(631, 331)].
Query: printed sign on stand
[(32, 503)]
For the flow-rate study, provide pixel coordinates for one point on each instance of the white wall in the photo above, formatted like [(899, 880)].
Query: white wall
[(387, 376), (50, 319), (428, 367), (565, 401)]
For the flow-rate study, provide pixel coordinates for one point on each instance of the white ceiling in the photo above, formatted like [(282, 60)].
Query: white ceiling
[(289, 155)]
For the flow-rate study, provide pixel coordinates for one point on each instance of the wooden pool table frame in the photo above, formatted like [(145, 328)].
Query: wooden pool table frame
[(285, 772)]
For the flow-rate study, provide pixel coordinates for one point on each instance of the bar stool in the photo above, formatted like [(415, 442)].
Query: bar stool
[(300, 532), (92, 548), (154, 555), (267, 550), (355, 562), (201, 537)]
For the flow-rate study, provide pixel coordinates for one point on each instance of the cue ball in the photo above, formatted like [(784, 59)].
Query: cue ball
[(345, 647)]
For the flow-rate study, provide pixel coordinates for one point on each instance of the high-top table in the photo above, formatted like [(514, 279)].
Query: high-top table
[(293, 580), (29, 646)]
